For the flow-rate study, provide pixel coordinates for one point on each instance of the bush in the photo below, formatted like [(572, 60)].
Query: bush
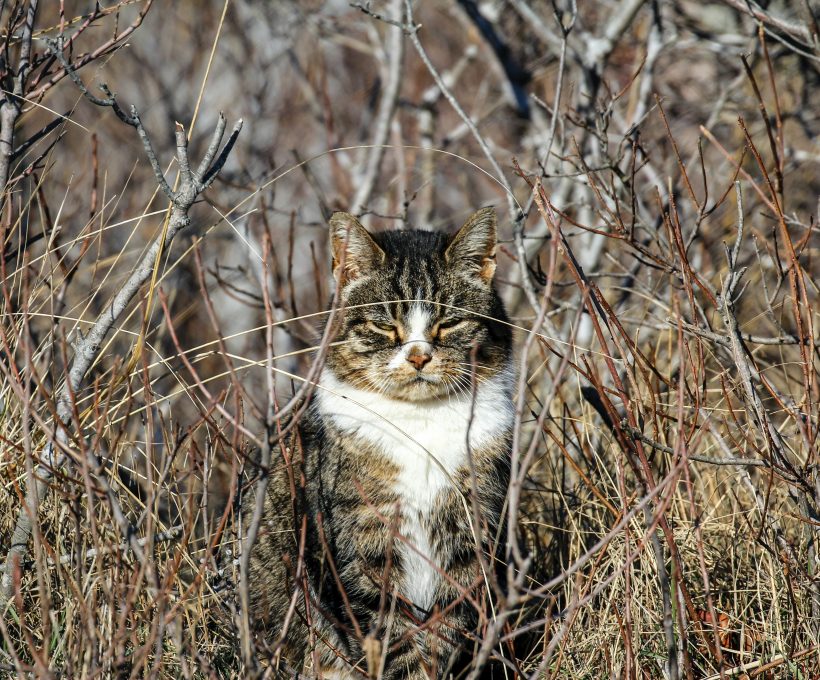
[(657, 162)]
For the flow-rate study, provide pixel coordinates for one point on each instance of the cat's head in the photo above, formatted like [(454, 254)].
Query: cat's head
[(416, 304)]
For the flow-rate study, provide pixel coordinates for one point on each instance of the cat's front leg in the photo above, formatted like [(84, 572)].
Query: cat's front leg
[(397, 653), (422, 648), (451, 632), (406, 660)]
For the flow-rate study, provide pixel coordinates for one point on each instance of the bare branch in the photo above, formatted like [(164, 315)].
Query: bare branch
[(387, 108), (485, 148), (210, 175), (213, 147), (801, 32), (86, 349), (159, 175), (637, 434), (11, 103)]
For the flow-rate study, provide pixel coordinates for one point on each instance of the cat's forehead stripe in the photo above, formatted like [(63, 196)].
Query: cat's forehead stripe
[(414, 279)]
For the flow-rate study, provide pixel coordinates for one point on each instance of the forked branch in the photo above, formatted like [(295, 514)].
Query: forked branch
[(87, 346)]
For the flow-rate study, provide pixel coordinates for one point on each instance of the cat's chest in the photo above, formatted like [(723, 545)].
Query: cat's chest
[(427, 442)]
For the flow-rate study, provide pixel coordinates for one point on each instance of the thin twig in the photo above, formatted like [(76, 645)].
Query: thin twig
[(637, 434), (86, 348), (387, 108)]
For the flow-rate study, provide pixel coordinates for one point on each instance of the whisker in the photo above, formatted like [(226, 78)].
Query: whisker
[(473, 363), (470, 375)]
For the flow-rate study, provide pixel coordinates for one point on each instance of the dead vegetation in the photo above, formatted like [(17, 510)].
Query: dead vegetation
[(657, 164)]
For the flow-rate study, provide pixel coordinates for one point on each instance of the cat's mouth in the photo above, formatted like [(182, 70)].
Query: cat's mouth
[(423, 387), (422, 383), (405, 385)]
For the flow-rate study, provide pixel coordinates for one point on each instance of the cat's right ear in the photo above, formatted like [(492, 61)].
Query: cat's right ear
[(355, 253)]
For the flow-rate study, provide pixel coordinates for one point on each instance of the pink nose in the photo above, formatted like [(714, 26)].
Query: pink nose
[(419, 360)]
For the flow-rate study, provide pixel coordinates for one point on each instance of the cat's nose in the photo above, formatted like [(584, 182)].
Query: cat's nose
[(419, 359)]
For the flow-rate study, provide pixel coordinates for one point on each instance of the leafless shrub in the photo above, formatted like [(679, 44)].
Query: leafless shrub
[(658, 166)]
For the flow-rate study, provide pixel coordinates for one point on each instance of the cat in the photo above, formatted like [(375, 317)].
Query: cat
[(400, 468)]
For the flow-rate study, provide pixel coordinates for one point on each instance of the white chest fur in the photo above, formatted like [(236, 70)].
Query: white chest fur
[(428, 443)]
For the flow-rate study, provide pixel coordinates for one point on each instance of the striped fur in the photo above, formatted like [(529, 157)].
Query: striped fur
[(411, 419)]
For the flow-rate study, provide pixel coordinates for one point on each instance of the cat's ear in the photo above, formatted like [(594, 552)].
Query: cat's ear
[(355, 253), (473, 247)]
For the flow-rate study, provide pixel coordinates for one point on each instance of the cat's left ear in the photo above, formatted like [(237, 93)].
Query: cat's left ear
[(355, 253), (474, 246)]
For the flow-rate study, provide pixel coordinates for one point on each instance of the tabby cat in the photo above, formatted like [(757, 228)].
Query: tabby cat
[(416, 392)]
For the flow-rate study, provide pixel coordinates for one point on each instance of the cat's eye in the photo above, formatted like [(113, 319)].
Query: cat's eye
[(386, 327), (447, 324)]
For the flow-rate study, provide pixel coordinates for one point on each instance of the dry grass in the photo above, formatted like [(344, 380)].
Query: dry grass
[(668, 443)]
